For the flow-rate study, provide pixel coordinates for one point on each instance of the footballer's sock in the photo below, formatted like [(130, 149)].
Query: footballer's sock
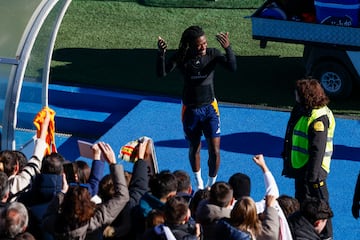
[(211, 181), (198, 180)]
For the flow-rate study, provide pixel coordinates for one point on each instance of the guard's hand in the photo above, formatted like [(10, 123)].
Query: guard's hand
[(162, 46), (223, 39)]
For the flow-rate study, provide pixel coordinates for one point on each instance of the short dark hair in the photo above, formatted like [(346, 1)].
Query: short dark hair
[(183, 180), (22, 159), (221, 194), (9, 161), (241, 185), (289, 205), (176, 208), (199, 195), (52, 164), (314, 209), (162, 184)]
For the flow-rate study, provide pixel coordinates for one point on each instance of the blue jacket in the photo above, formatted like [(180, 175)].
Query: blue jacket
[(96, 174), (44, 188), (148, 202), (225, 231), (37, 199)]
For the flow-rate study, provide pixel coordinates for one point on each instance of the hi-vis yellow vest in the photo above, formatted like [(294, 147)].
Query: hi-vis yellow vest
[(300, 143)]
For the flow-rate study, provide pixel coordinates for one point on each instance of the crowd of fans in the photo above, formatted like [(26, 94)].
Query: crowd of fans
[(39, 201)]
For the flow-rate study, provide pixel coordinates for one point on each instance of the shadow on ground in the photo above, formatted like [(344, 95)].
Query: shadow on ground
[(259, 80), (258, 142)]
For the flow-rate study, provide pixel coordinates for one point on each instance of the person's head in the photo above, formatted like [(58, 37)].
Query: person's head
[(16, 219), (317, 212), (184, 182), (154, 218), (9, 163), (106, 188), (52, 164), (221, 194), (4, 187), (163, 185), (288, 204), (193, 41), (241, 185), (22, 159), (310, 93), (199, 195), (176, 210), (82, 171), (77, 205), (244, 216)]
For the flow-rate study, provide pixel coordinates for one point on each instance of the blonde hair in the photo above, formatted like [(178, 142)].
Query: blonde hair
[(244, 216)]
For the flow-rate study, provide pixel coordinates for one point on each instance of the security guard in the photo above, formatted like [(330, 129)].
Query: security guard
[(308, 145)]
